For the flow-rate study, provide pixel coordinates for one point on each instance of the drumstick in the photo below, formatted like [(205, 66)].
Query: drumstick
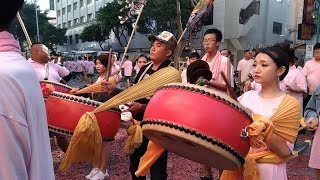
[(229, 87), (109, 64)]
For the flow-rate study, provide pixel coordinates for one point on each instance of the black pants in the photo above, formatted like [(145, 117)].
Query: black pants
[(158, 170)]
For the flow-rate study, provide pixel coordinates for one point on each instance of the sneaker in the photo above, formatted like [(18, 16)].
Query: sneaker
[(93, 172), (100, 175)]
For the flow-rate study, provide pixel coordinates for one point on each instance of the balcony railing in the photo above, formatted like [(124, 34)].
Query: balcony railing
[(246, 14)]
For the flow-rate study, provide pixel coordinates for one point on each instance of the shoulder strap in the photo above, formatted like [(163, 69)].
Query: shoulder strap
[(47, 71)]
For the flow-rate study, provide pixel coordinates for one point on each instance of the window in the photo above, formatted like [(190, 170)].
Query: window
[(51, 7), (279, 1), (90, 17), (82, 20), (75, 21), (77, 38), (70, 39), (277, 28), (75, 6), (69, 24), (69, 8), (81, 3), (58, 13), (63, 11), (89, 1)]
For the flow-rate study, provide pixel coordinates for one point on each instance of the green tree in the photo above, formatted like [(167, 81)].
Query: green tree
[(50, 34), (95, 32), (161, 15), (108, 17)]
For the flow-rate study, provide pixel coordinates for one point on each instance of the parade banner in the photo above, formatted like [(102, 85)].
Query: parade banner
[(307, 12)]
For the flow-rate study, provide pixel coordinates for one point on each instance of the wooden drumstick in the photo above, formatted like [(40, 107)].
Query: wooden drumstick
[(229, 87)]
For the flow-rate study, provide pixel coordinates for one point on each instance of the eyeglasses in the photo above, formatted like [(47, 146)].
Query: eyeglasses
[(209, 40)]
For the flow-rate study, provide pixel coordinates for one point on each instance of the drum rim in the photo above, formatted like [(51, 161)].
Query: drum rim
[(55, 83), (197, 134), (68, 132), (80, 99), (209, 93)]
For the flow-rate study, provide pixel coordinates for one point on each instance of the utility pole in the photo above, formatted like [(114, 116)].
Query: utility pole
[(37, 22)]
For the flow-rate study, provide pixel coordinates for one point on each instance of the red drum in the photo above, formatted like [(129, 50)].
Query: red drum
[(64, 112), (199, 124), (48, 86)]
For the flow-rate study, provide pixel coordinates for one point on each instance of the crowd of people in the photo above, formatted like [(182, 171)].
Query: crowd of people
[(269, 82)]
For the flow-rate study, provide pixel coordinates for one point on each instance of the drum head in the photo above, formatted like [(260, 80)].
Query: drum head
[(193, 147)]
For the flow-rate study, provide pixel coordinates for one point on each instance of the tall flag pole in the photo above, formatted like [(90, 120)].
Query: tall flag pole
[(136, 8), (24, 29)]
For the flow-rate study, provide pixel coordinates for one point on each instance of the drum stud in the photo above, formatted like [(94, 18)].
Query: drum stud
[(192, 132), (170, 125), (79, 100), (197, 134), (75, 99), (202, 91), (89, 103), (97, 104), (183, 87), (71, 98), (68, 97), (192, 88), (187, 88), (197, 90)]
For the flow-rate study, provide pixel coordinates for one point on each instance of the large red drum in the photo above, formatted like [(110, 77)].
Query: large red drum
[(48, 86), (199, 124), (65, 110)]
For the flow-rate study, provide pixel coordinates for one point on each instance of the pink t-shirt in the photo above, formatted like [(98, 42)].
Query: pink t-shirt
[(115, 68), (127, 66), (312, 71), (56, 72), (90, 67), (217, 64), (297, 81), (266, 108), (78, 66), (245, 67)]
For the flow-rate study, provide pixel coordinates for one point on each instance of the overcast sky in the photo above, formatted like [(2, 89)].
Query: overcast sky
[(44, 5)]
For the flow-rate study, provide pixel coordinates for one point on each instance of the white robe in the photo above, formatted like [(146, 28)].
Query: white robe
[(25, 151)]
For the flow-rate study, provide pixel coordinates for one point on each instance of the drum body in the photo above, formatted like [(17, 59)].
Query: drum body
[(199, 124), (48, 86), (64, 112)]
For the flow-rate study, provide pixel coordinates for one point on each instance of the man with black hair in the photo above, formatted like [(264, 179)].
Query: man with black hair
[(244, 67), (217, 63), (162, 48), (312, 73), (193, 56), (25, 146)]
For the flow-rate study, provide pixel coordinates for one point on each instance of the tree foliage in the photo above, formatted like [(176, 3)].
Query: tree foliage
[(95, 32), (160, 15), (51, 35), (108, 17)]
